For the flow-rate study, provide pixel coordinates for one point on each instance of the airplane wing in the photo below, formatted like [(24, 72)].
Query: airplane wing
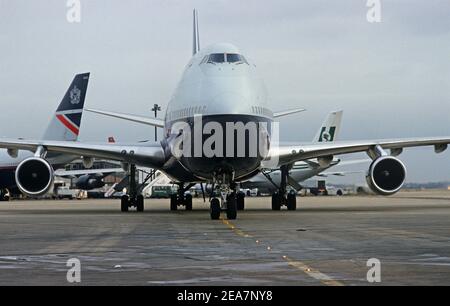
[(75, 173), (354, 162), (149, 155), (134, 118), (338, 173), (288, 154), (288, 112)]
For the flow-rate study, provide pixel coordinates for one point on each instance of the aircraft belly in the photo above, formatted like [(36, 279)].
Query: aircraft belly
[(242, 166)]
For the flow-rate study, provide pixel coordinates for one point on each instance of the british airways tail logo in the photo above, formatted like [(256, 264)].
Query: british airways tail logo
[(75, 95)]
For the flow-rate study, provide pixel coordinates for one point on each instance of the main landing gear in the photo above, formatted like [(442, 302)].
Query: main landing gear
[(282, 197), (133, 198), (181, 199)]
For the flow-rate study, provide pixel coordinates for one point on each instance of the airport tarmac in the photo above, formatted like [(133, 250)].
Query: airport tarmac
[(327, 241)]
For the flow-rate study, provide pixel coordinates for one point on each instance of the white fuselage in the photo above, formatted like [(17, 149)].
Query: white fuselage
[(221, 92)]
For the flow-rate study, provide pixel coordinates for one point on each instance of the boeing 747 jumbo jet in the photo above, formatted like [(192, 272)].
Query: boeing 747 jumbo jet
[(63, 126), (218, 129)]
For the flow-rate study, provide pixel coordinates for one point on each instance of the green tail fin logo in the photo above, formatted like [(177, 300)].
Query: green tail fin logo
[(327, 136)]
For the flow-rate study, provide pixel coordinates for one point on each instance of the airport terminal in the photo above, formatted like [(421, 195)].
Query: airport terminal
[(225, 179)]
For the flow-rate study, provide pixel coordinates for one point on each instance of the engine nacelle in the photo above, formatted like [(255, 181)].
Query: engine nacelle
[(89, 182), (34, 176), (386, 175)]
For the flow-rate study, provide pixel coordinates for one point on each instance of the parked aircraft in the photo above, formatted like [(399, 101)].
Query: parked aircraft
[(64, 126), (219, 92)]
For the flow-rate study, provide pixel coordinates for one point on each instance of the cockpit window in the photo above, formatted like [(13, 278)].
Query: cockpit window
[(234, 58), (224, 58), (216, 58)]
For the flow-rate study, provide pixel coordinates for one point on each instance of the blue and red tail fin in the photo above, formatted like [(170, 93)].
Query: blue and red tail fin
[(66, 122)]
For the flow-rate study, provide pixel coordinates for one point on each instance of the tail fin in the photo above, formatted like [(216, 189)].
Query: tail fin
[(329, 131), (196, 37), (65, 124)]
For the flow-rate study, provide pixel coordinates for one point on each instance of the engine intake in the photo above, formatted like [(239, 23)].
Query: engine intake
[(34, 176), (386, 175)]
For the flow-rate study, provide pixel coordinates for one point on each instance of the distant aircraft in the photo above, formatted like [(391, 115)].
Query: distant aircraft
[(64, 126), (269, 180), (89, 179), (219, 89)]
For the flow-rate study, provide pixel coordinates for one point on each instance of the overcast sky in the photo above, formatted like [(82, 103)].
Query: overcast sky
[(392, 79)]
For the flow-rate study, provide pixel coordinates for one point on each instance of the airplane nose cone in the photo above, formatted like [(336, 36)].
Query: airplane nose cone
[(230, 103)]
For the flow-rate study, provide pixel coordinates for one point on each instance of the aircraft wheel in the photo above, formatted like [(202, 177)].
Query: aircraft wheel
[(231, 207), (291, 201), (215, 209), (173, 202), (4, 195), (140, 203), (124, 201), (240, 201), (188, 202), (276, 201)]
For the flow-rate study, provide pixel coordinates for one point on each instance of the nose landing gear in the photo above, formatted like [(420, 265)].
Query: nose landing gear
[(228, 198)]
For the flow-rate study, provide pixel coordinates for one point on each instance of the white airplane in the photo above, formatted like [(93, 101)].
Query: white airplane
[(222, 85), (64, 125)]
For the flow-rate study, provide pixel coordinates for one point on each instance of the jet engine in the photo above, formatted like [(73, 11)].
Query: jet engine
[(34, 176), (386, 175), (89, 182)]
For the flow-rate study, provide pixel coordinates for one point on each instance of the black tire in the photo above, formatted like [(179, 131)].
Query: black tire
[(173, 202), (339, 193), (231, 207), (276, 201), (124, 202), (240, 201), (291, 201), (215, 209), (188, 202), (140, 203)]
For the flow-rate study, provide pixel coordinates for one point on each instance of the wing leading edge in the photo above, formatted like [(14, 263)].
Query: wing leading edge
[(144, 155), (288, 154)]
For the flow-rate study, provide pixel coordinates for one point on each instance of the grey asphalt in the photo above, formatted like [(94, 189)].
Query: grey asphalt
[(327, 241)]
